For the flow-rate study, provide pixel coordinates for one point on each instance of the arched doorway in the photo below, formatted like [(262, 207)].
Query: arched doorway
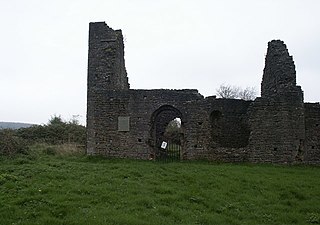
[(167, 133)]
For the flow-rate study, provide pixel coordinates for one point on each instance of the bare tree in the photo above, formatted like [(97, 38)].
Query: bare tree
[(227, 91), (234, 92), (249, 93)]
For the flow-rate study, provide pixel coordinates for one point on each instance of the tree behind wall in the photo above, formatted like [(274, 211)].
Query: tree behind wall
[(234, 92)]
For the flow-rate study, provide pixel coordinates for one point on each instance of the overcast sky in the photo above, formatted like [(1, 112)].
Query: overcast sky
[(168, 44)]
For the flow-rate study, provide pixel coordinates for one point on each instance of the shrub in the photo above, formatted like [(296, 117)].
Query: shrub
[(11, 144), (59, 137), (55, 132)]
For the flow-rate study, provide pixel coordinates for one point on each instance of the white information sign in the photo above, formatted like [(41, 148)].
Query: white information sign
[(164, 145)]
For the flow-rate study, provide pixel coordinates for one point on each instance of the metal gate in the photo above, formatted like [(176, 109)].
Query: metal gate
[(169, 152)]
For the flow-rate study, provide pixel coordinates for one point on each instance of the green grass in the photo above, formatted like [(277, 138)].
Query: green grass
[(51, 189)]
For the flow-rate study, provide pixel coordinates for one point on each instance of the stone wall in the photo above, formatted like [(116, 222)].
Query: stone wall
[(311, 151), (221, 132), (139, 106), (277, 118), (279, 75), (122, 122), (106, 71), (149, 111), (277, 131)]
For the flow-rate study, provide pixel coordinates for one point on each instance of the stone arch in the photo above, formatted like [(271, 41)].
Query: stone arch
[(159, 121), (228, 130)]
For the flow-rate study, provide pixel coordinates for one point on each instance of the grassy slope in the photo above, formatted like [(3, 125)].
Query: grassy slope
[(79, 190)]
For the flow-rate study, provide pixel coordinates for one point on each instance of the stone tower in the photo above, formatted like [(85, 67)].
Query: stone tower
[(106, 70), (277, 118), (106, 67), (279, 74)]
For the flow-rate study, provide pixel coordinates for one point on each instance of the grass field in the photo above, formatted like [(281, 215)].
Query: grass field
[(70, 190)]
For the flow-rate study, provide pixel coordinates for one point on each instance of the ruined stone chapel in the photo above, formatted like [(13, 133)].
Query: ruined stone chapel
[(277, 127)]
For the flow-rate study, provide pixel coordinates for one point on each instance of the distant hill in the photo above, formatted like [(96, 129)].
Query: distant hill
[(14, 125)]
